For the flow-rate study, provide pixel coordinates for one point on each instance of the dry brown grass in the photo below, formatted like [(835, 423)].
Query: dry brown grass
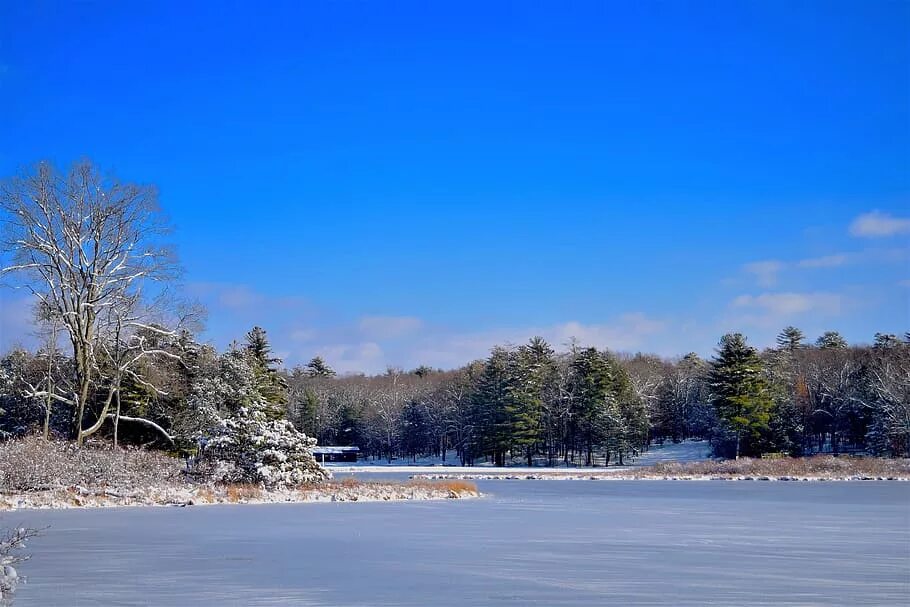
[(455, 486), (459, 487), (206, 494), (819, 466), (240, 492)]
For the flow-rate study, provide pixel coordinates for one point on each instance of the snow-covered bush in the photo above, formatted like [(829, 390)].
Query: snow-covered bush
[(10, 546), (247, 447), (235, 416), (33, 464)]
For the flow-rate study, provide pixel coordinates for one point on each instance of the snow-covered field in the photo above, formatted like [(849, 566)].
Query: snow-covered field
[(540, 543), (687, 451)]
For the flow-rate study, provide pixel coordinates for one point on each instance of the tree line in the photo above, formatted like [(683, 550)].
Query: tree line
[(593, 407), (119, 359)]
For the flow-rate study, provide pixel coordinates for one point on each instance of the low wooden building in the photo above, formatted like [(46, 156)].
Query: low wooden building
[(327, 454)]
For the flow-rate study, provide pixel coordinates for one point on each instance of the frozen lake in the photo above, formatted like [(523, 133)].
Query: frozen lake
[(546, 542)]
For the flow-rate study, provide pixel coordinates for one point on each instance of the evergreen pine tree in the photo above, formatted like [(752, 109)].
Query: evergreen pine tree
[(319, 368), (491, 404), (257, 344), (595, 413), (533, 369), (740, 391), (884, 341), (270, 384), (831, 339), (309, 407), (422, 371), (790, 339)]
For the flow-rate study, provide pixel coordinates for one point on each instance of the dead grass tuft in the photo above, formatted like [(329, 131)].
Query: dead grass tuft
[(205, 494), (456, 486), (240, 492)]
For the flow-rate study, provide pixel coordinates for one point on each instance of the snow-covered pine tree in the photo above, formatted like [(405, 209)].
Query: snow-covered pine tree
[(239, 437), (249, 447)]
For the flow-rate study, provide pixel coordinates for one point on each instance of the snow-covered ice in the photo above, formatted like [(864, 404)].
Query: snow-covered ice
[(566, 543)]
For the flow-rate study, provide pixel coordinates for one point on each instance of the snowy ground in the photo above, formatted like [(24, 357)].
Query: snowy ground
[(687, 451)]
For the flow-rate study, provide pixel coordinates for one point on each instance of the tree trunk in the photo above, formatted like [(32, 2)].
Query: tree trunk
[(47, 412), (117, 418), (84, 375), (83, 434)]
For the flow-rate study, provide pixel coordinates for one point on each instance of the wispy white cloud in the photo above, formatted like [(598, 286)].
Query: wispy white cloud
[(370, 343), (389, 327), (365, 357), (778, 309), (241, 298), (826, 261), (768, 273), (765, 272), (628, 332), (877, 224)]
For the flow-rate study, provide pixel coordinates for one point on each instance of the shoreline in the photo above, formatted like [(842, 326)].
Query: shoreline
[(620, 476), (801, 469), (77, 497)]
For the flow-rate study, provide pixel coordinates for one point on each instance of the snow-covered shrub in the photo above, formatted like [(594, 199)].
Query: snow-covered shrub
[(247, 447), (10, 546), (33, 464)]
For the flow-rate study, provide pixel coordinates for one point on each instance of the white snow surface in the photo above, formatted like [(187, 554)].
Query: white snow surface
[(684, 452)]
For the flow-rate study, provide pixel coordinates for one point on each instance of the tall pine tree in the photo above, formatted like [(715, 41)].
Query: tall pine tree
[(740, 392), (270, 384), (790, 339), (492, 403), (319, 368), (533, 370)]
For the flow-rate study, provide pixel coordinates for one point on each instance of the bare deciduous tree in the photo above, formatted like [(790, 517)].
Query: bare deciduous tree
[(84, 246)]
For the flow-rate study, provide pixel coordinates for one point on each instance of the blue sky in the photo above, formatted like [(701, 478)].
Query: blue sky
[(406, 183)]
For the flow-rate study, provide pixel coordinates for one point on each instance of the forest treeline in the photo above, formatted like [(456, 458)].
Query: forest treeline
[(588, 406), (525, 403), (119, 360)]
